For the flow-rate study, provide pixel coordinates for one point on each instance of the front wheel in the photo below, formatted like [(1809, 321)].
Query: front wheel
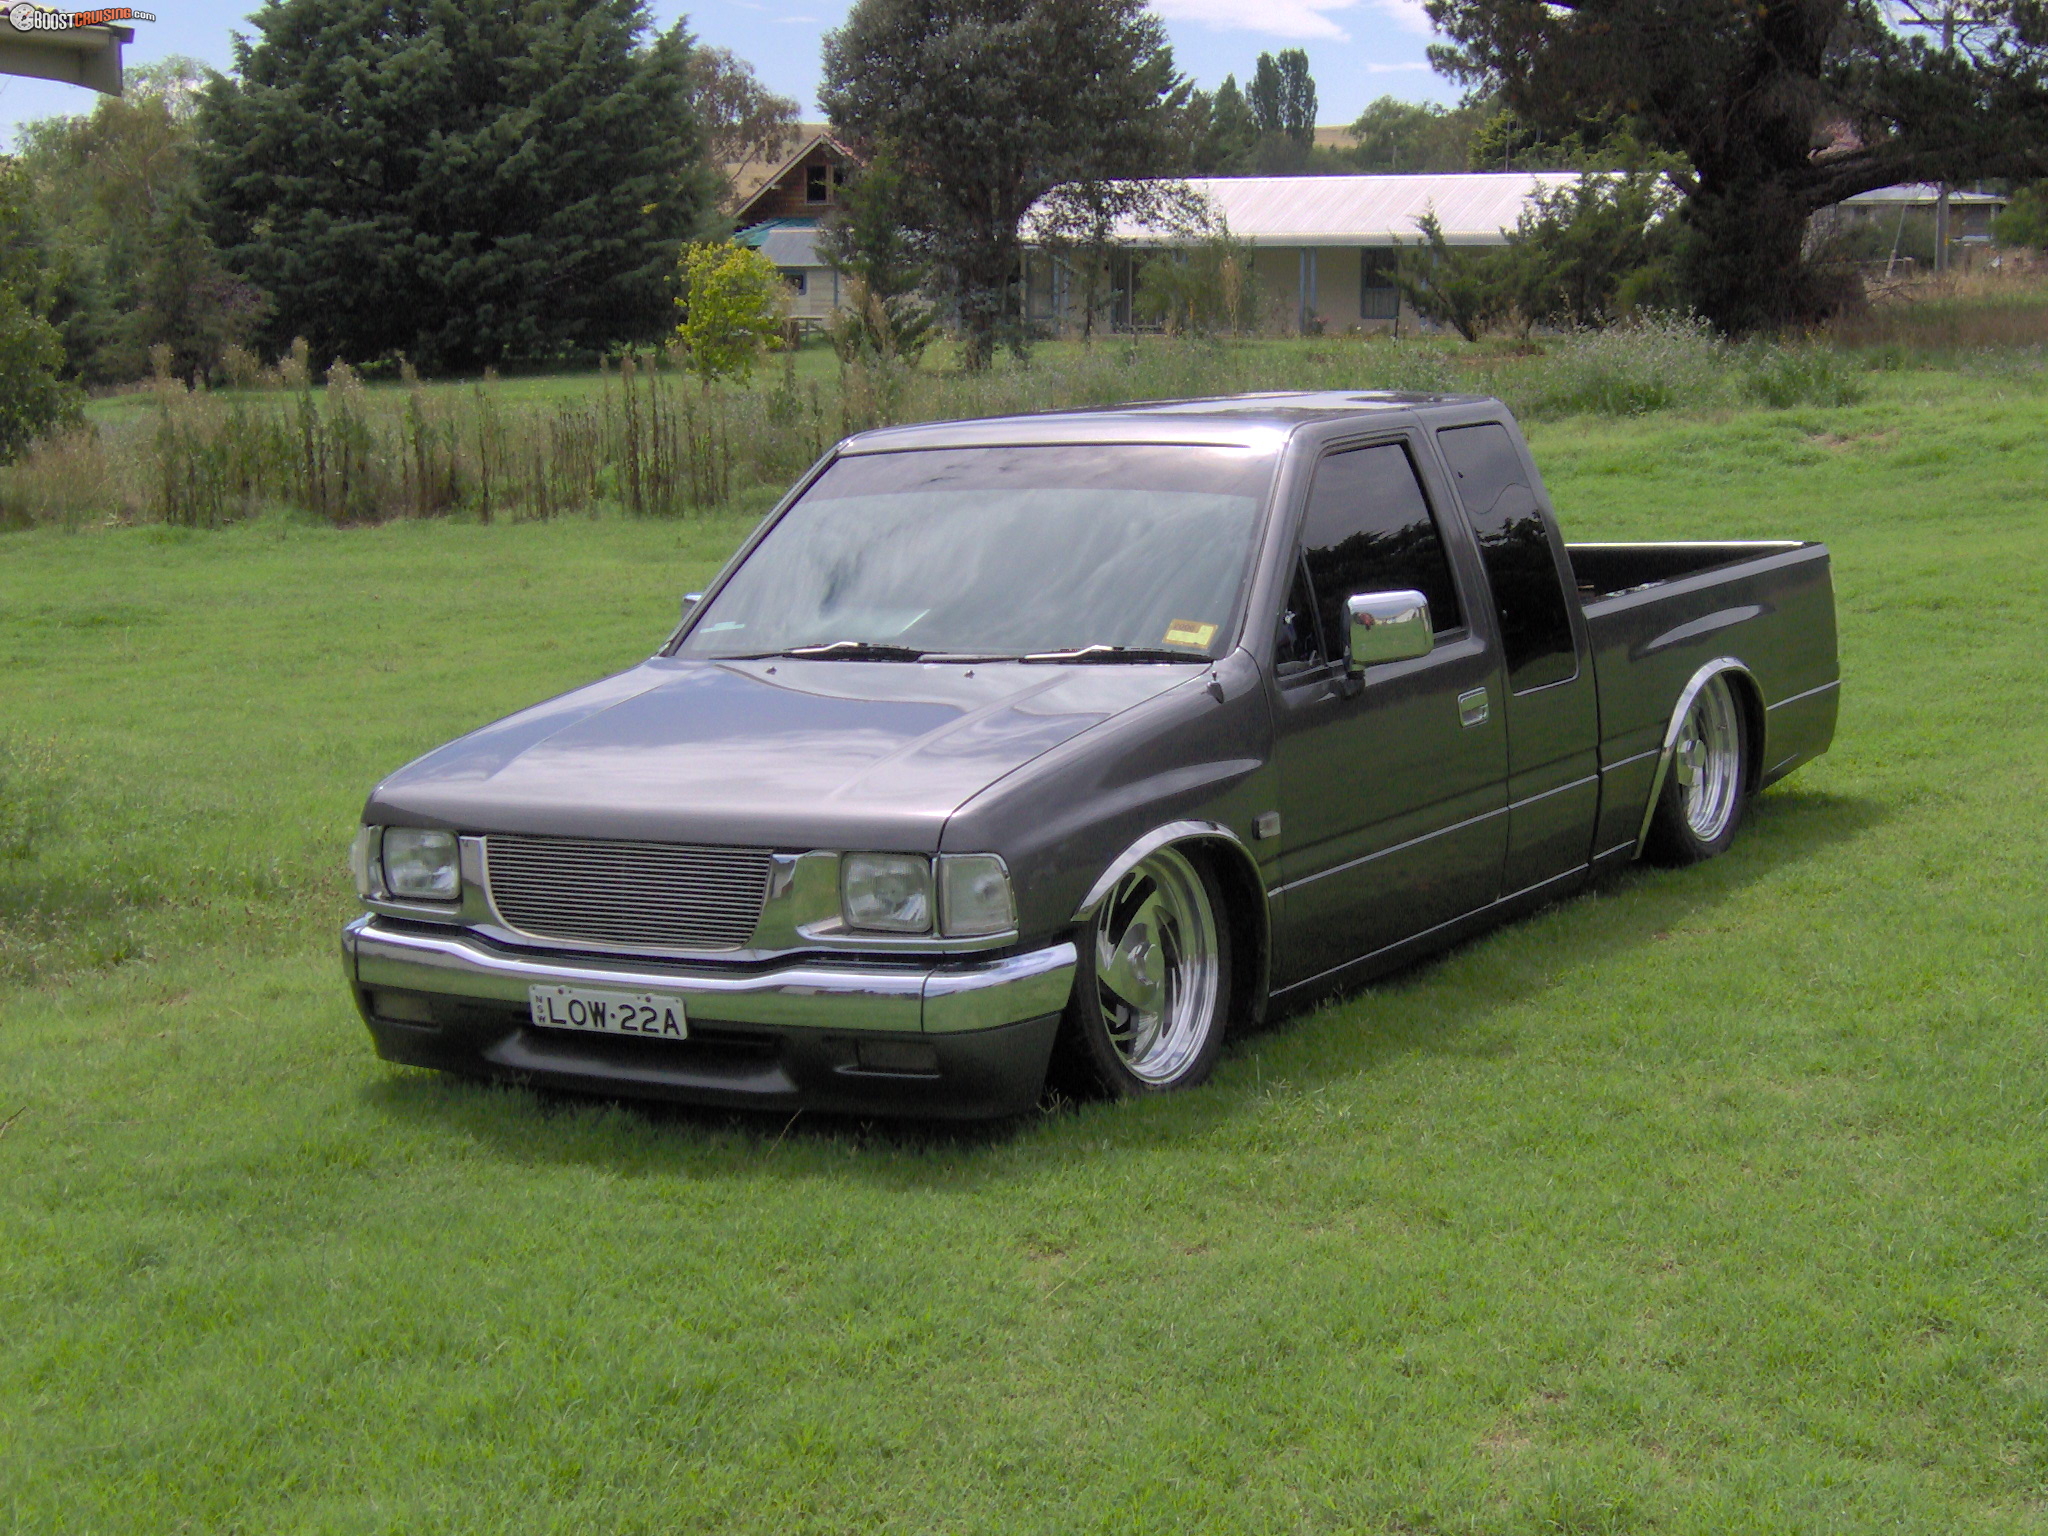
[(1151, 992), (1701, 803)]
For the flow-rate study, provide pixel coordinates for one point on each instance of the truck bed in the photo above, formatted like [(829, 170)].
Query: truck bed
[(1657, 613), (1608, 570)]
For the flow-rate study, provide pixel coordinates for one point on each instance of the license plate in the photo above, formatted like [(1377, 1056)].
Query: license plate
[(609, 1013)]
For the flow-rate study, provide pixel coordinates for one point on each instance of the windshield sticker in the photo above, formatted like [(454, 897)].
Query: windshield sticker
[(1189, 632)]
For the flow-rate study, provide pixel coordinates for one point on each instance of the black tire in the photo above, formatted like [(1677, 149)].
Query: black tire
[(1706, 788), (1161, 937)]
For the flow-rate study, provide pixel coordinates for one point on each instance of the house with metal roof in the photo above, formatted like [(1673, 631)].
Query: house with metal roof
[(793, 245), (1323, 248), (777, 208)]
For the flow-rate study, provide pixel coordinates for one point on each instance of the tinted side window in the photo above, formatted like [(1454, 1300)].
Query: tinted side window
[(1295, 643), (1535, 624), (1370, 530)]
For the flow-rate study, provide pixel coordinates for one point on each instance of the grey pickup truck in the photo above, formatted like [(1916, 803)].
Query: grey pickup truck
[(1078, 740)]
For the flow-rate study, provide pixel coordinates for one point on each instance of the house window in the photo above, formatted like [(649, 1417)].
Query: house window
[(795, 279), (818, 184), (1378, 296)]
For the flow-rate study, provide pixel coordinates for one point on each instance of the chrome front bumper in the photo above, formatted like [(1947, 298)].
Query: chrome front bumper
[(945, 999), (957, 1039)]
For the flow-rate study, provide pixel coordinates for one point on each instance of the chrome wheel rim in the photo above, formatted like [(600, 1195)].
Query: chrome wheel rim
[(1156, 966), (1707, 761)]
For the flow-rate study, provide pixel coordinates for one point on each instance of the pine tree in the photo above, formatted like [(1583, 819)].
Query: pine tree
[(458, 182), (1231, 145)]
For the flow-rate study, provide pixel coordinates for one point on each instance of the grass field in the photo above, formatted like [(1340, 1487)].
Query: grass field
[(1711, 1201)]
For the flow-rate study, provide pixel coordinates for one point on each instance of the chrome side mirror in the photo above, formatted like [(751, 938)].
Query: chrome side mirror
[(690, 602), (1387, 626)]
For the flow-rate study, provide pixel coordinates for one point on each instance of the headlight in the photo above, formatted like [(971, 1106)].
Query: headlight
[(421, 865), (974, 895), (886, 892)]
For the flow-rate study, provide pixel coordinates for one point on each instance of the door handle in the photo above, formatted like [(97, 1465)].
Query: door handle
[(1473, 708)]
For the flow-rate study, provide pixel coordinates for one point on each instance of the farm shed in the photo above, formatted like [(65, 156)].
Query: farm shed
[(1323, 247), (1970, 213)]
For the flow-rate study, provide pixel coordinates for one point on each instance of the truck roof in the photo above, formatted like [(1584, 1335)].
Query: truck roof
[(1224, 420)]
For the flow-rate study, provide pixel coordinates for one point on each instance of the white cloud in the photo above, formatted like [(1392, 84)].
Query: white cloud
[(1412, 67), (1406, 14), (1293, 18), (1273, 18)]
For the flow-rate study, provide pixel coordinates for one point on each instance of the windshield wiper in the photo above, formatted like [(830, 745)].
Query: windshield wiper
[(869, 650), (854, 650), (1100, 652)]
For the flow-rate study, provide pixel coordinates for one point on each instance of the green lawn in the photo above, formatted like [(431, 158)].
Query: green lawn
[(1709, 1202)]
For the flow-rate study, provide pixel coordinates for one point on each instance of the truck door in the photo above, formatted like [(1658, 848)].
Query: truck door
[(1552, 707), (1392, 791)]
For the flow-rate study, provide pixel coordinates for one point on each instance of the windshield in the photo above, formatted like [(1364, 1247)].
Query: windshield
[(1040, 552)]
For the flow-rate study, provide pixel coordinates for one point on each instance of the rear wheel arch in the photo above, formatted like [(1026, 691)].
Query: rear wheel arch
[(1750, 696), (1707, 773), (1748, 699)]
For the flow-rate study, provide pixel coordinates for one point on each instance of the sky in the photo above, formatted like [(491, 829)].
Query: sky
[(1358, 49)]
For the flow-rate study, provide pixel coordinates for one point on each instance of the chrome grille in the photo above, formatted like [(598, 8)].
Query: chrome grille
[(648, 895)]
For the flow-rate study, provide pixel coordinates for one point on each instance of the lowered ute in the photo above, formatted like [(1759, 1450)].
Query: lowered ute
[(1095, 733)]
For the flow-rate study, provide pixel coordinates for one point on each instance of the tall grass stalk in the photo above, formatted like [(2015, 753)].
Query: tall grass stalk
[(649, 443)]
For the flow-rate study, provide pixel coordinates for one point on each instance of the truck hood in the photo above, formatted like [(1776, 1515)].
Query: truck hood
[(785, 753)]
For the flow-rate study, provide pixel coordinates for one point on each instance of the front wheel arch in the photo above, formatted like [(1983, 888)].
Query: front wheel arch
[(1233, 897), (1246, 910)]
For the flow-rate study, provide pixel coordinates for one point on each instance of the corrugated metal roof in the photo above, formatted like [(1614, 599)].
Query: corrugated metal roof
[(1475, 208), (786, 242), (1923, 193)]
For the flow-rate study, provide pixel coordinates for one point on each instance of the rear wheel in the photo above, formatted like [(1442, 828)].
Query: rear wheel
[(1705, 789), (1151, 992)]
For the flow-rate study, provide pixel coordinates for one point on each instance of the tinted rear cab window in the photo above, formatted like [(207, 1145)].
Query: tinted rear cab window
[(1514, 544)]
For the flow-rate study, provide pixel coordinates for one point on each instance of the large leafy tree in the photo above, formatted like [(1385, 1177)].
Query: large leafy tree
[(126, 265), (1778, 108), (1405, 136), (460, 183), (987, 105), (741, 118)]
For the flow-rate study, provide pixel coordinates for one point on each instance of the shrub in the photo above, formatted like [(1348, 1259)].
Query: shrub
[(886, 316), (1206, 289), (1468, 290), (34, 401), (1652, 364), (1588, 252), (2025, 220), (1782, 377), (733, 300)]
